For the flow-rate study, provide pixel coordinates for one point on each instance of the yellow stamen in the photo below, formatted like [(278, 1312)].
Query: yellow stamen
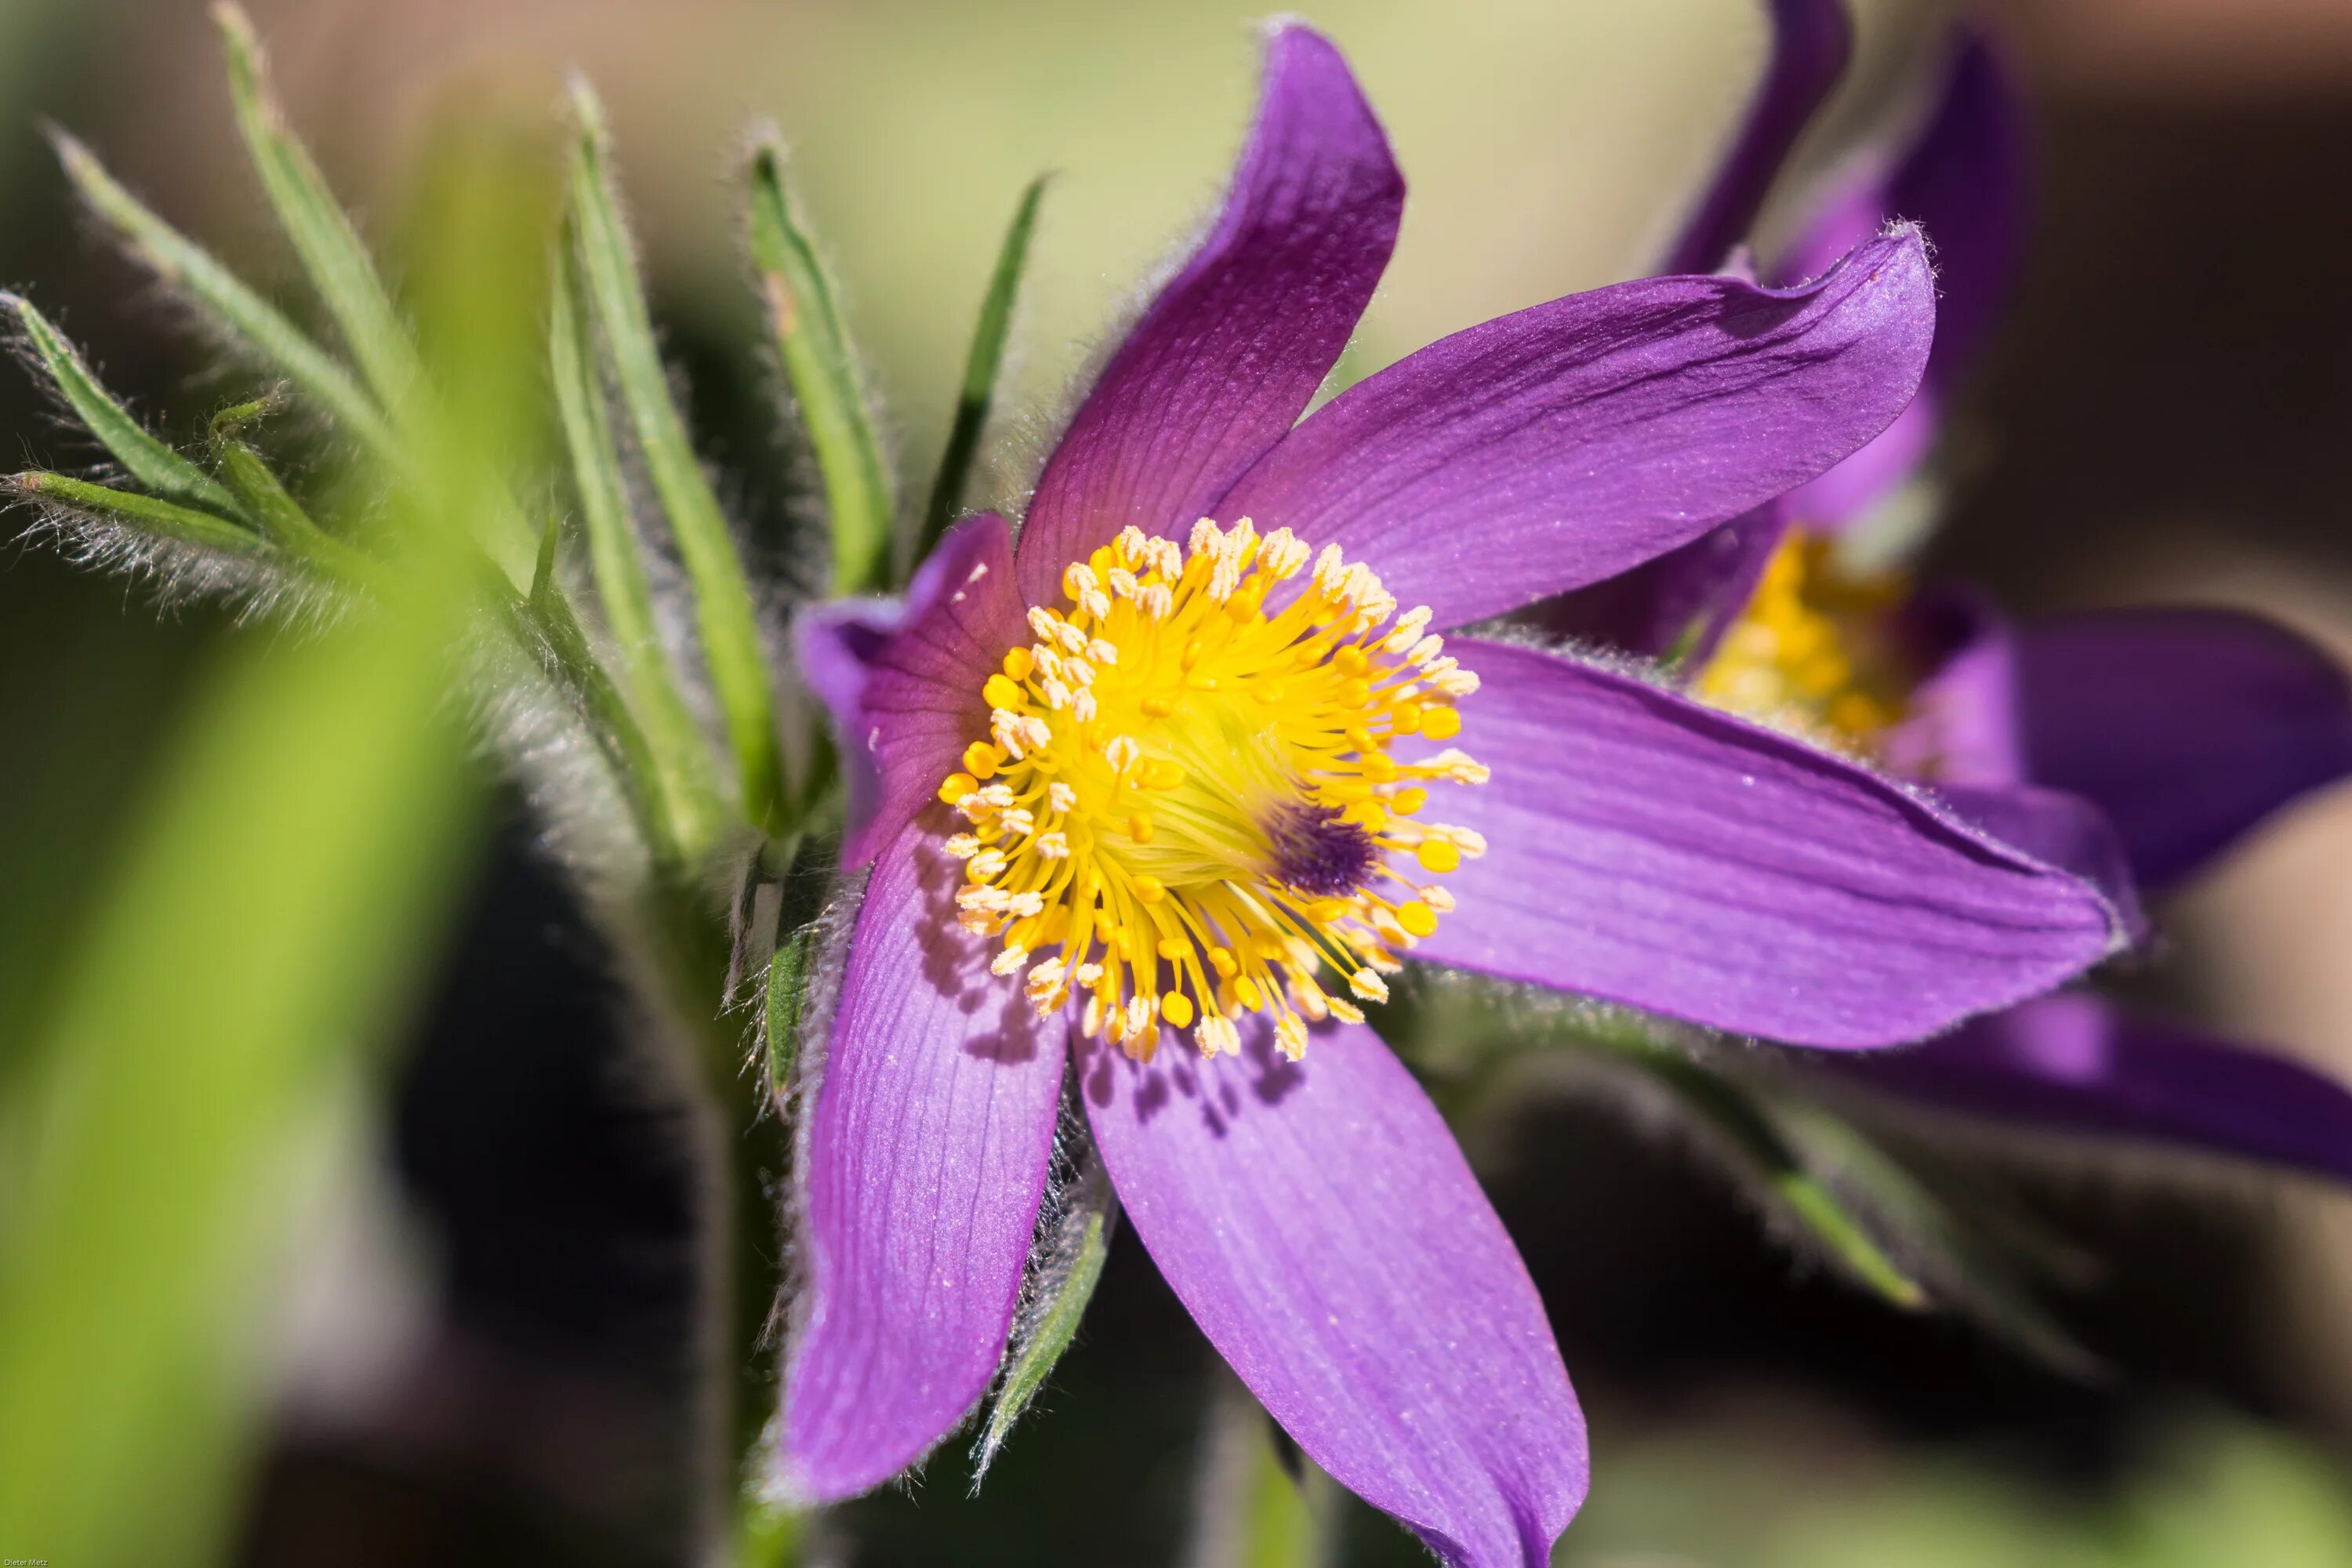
[(1260, 741), (1814, 650)]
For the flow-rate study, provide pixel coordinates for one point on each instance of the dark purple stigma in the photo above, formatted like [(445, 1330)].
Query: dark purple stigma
[(1315, 852)]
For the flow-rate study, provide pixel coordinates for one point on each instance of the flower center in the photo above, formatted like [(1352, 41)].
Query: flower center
[(1186, 809), (1814, 650)]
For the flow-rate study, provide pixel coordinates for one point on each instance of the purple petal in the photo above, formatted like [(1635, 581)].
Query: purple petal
[(1554, 447), (903, 682), (1963, 180), (1232, 349), (1812, 41), (2059, 830), (1844, 494), (923, 1171), (1651, 851), (2072, 1064), (2188, 727), (1320, 1225), (1962, 722)]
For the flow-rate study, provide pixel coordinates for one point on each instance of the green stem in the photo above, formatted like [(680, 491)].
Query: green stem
[(748, 1159), (543, 627)]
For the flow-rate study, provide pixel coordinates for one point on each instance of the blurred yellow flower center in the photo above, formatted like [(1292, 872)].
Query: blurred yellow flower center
[(1811, 652), (1185, 809)]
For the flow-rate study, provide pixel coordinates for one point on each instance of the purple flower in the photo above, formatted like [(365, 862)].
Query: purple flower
[(2148, 740), (1175, 797)]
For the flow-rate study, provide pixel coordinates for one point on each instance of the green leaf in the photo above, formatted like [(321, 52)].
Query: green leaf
[(1686, 644), (1068, 1277), (725, 614), (788, 978), (544, 628), (271, 910), (146, 460), (802, 887), (282, 517), (166, 519), (331, 252), (1749, 1130), (220, 296), (543, 571), (1467, 1031), (337, 262), (265, 500), (980, 373), (804, 313), (1962, 1268), (622, 589)]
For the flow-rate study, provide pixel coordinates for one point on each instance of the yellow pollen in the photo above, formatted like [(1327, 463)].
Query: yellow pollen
[(1250, 704), (1813, 651)]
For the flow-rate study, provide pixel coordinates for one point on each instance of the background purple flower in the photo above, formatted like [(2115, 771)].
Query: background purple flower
[(2149, 740)]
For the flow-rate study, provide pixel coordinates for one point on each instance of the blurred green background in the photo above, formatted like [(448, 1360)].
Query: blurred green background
[(272, 948)]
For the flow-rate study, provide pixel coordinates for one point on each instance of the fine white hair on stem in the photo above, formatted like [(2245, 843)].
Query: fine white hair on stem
[(802, 559), (530, 728), (176, 576), (1079, 1198)]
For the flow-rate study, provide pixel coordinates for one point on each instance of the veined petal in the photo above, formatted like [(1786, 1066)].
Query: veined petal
[(1558, 446), (1812, 41), (2059, 830), (1651, 851), (1318, 1222), (923, 1171), (2074, 1064), (2187, 726), (903, 682), (1233, 347), (1963, 181)]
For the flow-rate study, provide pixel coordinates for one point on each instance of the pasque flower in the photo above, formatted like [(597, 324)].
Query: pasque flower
[(1171, 790), (2153, 737)]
